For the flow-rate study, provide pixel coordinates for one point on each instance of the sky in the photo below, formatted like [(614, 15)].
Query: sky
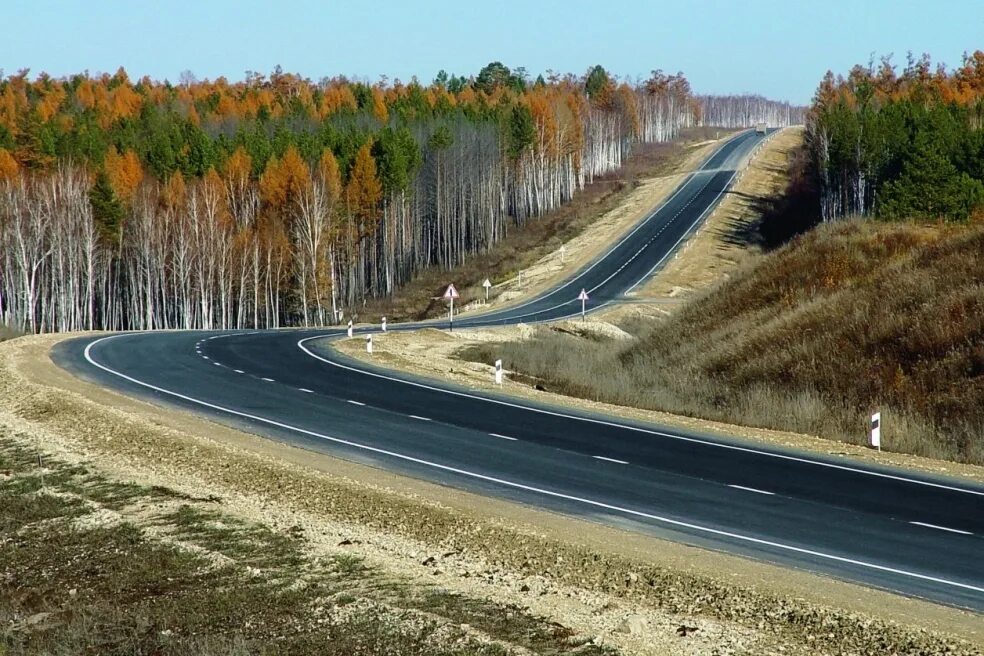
[(778, 48)]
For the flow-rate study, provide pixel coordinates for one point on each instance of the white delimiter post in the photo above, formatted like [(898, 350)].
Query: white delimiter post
[(451, 316), (498, 372), (384, 324), (350, 328), (876, 431), (369, 344)]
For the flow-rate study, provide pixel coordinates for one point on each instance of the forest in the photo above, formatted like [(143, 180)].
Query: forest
[(906, 145), (278, 200)]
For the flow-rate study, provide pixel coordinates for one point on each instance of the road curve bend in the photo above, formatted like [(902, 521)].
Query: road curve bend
[(917, 535)]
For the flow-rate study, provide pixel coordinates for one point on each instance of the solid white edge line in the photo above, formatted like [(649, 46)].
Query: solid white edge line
[(504, 437), (618, 462), (638, 429), (942, 528), (528, 488), (752, 489)]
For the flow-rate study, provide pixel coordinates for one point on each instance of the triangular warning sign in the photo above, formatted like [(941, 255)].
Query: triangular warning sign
[(451, 292), (583, 296)]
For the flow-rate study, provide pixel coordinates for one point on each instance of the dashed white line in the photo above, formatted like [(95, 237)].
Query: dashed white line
[(504, 437), (617, 462), (419, 417), (269, 380), (529, 488), (752, 489), (238, 371), (942, 528), (217, 364), (356, 402), (205, 357), (306, 390)]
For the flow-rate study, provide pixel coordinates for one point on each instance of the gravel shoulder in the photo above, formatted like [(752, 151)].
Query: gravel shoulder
[(611, 587)]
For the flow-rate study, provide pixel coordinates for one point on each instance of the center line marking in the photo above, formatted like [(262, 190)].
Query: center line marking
[(752, 489), (217, 364), (238, 371), (942, 528), (304, 389), (505, 437), (269, 380), (618, 462), (356, 403), (419, 417)]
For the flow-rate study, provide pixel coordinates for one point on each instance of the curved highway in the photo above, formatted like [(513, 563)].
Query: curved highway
[(891, 529)]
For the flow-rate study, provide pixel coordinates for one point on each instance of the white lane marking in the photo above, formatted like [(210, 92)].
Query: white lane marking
[(217, 364), (356, 403), (238, 371), (752, 489), (637, 429), (205, 357), (420, 418), (504, 437), (304, 389), (535, 490), (269, 380), (618, 462), (942, 528)]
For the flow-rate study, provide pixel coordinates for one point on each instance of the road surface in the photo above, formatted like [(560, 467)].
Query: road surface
[(890, 529)]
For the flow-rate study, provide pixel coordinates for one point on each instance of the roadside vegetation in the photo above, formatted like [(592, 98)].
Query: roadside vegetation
[(6, 332), (91, 565), (852, 317)]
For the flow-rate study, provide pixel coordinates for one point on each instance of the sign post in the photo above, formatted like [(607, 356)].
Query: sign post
[(876, 431), (449, 295), (498, 372), (350, 328), (488, 285), (369, 344), (583, 297), (384, 324), (563, 252)]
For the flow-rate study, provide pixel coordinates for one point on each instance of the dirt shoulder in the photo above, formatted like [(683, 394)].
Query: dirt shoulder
[(624, 590)]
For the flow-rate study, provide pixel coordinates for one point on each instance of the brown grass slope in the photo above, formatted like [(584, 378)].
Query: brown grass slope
[(846, 319)]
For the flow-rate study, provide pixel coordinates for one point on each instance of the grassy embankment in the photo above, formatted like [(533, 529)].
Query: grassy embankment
[(846, 319), (524, 245), (91, 565)]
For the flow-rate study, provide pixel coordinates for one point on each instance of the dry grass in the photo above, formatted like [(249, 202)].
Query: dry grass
[(89, 565), (846, 319), (6, 332), (525, 245)]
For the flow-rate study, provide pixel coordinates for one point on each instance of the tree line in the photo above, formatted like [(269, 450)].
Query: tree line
[(899, 145), (282, 201), (745, 110)]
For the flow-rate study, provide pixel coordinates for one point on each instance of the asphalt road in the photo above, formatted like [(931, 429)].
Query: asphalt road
[(891, 529)]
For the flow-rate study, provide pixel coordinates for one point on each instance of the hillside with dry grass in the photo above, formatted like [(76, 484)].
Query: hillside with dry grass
[(849, 318)]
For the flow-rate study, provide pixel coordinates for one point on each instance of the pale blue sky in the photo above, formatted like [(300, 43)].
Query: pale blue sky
[(779, 48)]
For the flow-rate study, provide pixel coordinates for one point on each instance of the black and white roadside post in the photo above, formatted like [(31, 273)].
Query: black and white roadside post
[(369, 344), (563, 253), (488, 285), (875, 440), (350, 328), (583, 297), (498, 372), (449, 295), (384, 324)]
